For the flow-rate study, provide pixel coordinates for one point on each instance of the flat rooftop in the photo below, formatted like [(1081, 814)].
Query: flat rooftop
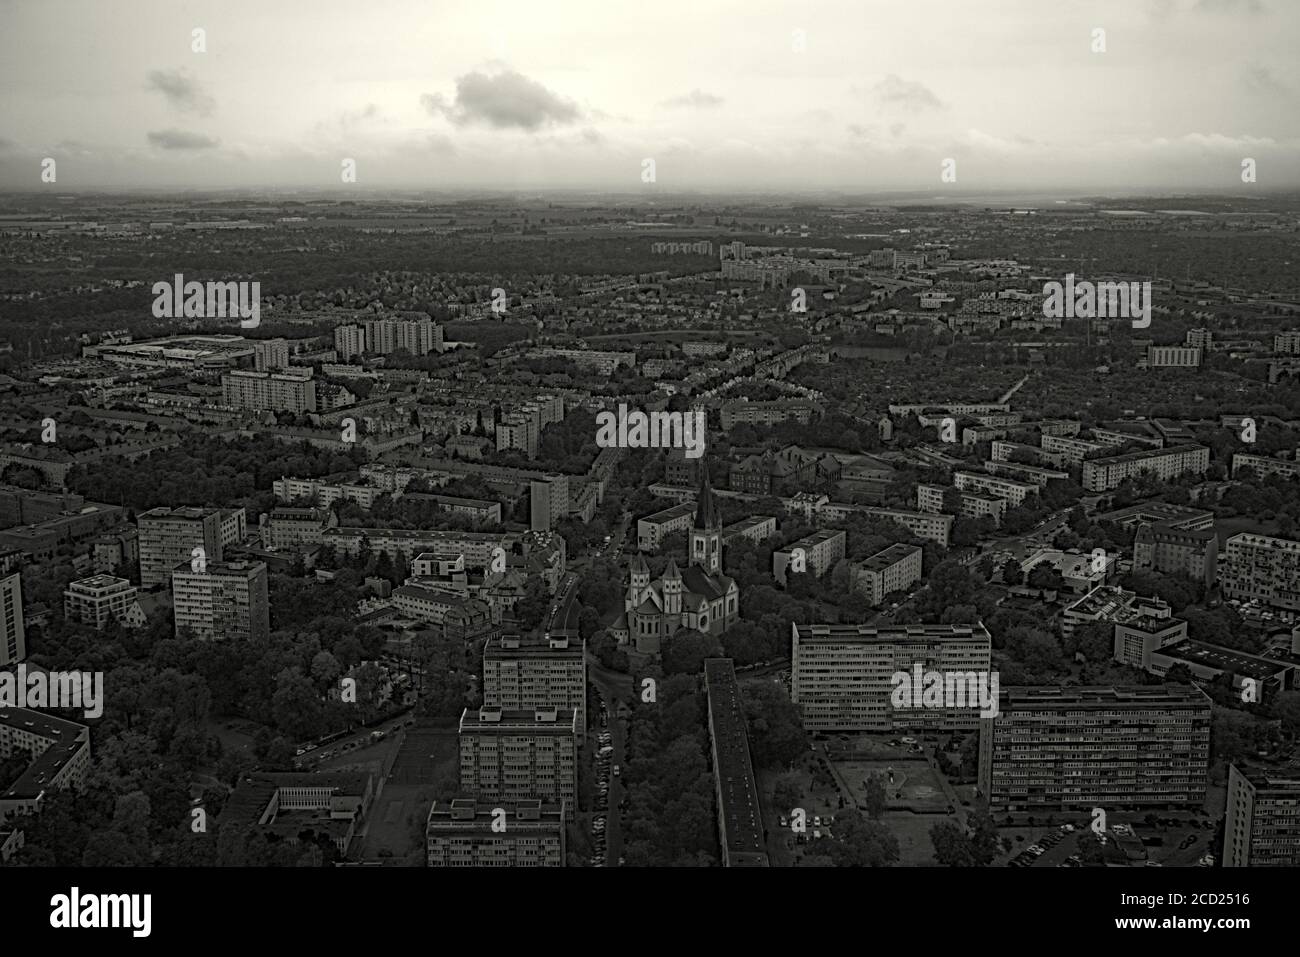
[(1225, 659), (1103, 698), (734, 770), (889, 556), (890, 633)]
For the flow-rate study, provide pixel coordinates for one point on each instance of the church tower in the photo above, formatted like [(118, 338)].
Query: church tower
[(706, 531), (672, 584)]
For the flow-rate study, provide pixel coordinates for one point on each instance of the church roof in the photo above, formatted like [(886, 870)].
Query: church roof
[(710, 587), (671, 573), (639, 566)]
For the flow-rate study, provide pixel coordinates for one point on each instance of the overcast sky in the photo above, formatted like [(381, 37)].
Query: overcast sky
[(720, 93)]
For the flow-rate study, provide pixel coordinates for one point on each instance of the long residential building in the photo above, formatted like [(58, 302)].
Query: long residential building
[(268, 392), (653, 529), (324, 494), (841, 674), (1104, 474), (740, 816), (767, 413), (1059, 749), (1033, 474), (995, 485), (1262, 568), (1261, 824), (477, 547), (1263, 465), (1070, 451), (57, 752), (929, 498)]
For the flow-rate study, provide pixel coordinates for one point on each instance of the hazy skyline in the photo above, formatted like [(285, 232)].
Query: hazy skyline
[(575, 95)]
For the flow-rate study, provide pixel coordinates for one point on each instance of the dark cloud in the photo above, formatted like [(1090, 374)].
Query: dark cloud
[(696, 99), (508, 100), (908, 95), (181, 91), (181, 140)]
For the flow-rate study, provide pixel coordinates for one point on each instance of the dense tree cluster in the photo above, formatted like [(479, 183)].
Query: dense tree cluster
[(670, 818)]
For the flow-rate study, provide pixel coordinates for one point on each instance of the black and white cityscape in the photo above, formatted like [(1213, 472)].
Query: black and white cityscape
[(591, 435)]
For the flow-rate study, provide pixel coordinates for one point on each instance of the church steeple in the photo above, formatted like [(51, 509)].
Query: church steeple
[(706, 535), (706, 511)]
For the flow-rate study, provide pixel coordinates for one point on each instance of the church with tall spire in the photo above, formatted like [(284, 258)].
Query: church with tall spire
[(699, 596)]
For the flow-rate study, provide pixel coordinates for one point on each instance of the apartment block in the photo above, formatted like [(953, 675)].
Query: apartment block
[(1261, 826), (1191, 553), (268, 392), (58, 753), (1058, 749), (1171, 357), (816, 553), (525, 672), (1287, 343), (548, 501), (1104, 474), (415, 333), (929, 498), (349, 341), (324, 494), (477, 547), (1263, 465), (767, 413), (469, 833), (99, 599), (519, 755), (653, 529), (756, 529), (1262, 568), (227, 600), (997, 486), (518, 431), (270, 355), (841, 673), (13, 634), (289, 528), (480, 510), (893, 569), (591, 360), (168, 536), (1032, 474), (1071, 451)]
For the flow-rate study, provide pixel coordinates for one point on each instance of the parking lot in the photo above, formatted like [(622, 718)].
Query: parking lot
[(1167, 842)]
